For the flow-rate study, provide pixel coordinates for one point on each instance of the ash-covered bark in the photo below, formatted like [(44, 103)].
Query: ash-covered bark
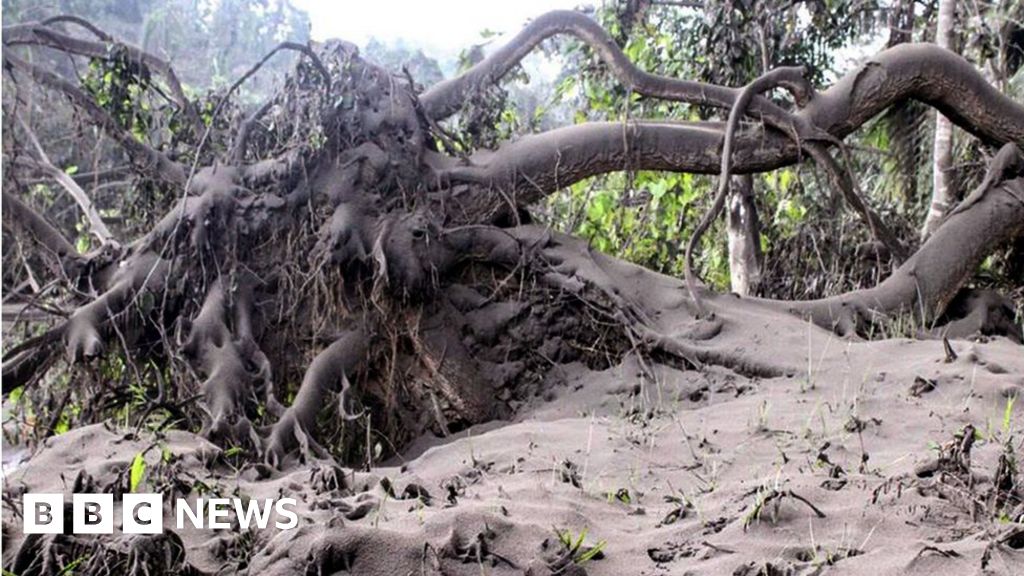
[(744, 230), (926, 283)]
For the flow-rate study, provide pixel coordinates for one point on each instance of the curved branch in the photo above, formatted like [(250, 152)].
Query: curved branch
[(80, 22), (29, 360), (237, 153), (96, 224), (446, 97), (794, 80), (21, 216), (284, 46), (43, 34), (792, 77), (328, 372), (926, 283), (537, 165), (144, 156), (923, 72), (928, 74)]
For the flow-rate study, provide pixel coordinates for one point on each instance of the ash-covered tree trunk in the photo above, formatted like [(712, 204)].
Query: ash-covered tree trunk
[(336, 239), (744, 231)]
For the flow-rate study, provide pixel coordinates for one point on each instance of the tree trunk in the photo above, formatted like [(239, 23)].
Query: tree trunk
[(744, 230), (943, 190)]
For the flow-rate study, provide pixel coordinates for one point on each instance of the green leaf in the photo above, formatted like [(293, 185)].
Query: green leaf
[(1007, 413), (70, 568), (63, 425), (137, 471), (590, 554), (83, 244), (658, 188)]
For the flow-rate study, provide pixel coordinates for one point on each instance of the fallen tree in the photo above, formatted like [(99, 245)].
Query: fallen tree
[(347, 249)]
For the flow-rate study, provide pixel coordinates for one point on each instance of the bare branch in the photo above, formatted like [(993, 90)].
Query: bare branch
[(842, 180), (237, 154), (285, 46), (91, 177), (20, 216), (791, 77), (925, 284), (44, 34), (96, 224), (537, 165), (446, 97), (81, 22), (678, 3), (142, 155)]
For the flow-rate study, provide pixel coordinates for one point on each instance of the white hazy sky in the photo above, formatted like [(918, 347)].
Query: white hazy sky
[(440, 27)]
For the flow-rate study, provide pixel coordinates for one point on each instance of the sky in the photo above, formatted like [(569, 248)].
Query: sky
[(440, 27)]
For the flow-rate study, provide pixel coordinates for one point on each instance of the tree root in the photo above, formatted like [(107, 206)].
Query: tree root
[(141, 281), (328, 373), (237, 373)]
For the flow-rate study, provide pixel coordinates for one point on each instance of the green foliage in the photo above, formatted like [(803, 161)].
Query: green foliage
[(1008, 415), (69, 568), (808, 236), (137, 472), (640, 217), (118, 85), (574, 545)]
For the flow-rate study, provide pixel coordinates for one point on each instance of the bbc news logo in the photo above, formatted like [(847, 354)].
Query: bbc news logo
[(144, 513)]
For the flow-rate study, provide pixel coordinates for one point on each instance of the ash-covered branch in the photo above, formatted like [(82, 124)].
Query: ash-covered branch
[(446, 97), (534, 166), (927, 282), (145, 157), (793, 78), (44, 34), (22, 217), (96, 224), (237, 153)]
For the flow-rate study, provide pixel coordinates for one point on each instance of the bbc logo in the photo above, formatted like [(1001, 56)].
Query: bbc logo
[(144, 513), (92, 514)]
